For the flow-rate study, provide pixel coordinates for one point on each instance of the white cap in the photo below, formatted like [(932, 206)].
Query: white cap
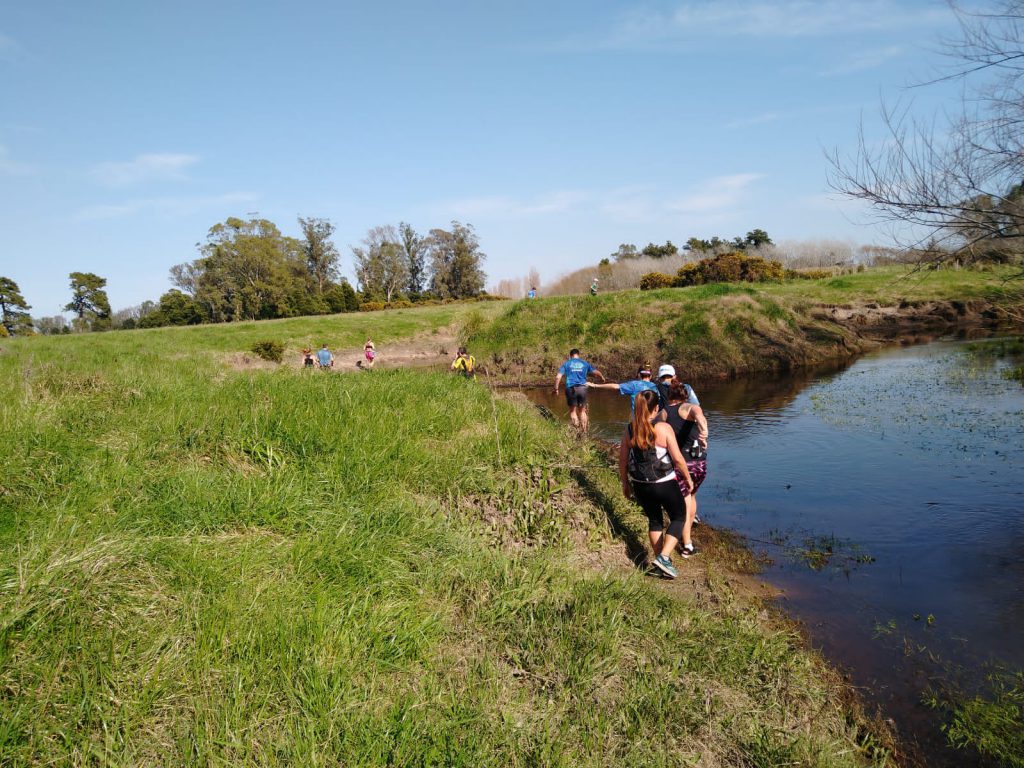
[(666, 370)]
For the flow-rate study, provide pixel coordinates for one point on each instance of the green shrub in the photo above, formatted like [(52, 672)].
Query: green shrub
[(400, 304), (372, 306), (733, 267), (269, 350), (808, 274), (654, 280)]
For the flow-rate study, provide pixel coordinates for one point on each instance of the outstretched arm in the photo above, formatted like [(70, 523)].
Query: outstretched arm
[(606, 385), (558, 380), (600, 375)]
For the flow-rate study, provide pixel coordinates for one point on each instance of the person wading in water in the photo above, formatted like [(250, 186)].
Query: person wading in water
[(648, 460), (575, 372)]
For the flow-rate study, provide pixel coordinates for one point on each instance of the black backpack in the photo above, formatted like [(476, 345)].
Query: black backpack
[(644, 466)]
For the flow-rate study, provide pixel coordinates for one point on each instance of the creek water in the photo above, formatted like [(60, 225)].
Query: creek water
[(888, 496)]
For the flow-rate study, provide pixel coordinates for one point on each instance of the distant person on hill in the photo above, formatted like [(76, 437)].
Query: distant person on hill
[(532, 293), (593, 287), (324, 357), (666, 374), (465, 364), (649, 458), (308, 360), (642, 383), (691, 431), (575, 372), (369, 355)]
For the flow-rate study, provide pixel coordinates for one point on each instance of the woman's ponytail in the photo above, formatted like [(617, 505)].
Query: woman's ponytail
[(641, 429)]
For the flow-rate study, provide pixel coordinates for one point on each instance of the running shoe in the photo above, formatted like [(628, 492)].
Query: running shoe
[(664, 565)]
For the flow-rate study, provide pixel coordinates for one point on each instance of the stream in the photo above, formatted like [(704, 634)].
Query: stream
[(887, 495)]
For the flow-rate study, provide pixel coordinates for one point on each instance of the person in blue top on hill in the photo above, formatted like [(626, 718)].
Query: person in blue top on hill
[(575, 371), (325, 358), (641, 383)]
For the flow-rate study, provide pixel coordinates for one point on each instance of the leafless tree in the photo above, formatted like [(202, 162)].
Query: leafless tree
[(955, 182)]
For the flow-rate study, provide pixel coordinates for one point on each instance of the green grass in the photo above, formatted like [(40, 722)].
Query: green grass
[(206, 567), (715, 330)]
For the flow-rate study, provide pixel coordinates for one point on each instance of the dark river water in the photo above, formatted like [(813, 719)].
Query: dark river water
[(888, 496)]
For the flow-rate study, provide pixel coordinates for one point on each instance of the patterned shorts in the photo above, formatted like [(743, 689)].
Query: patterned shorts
[(698, 471)]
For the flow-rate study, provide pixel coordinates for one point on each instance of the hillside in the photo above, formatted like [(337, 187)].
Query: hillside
[(721, 330), (206, 564)]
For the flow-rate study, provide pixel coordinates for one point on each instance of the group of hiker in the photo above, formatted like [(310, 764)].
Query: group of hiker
[(324, 358), (662, 453)]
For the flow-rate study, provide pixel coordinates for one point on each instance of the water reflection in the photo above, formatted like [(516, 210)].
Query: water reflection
[(912, 457)]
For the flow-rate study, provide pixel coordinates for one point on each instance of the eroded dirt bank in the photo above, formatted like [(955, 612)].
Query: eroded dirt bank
[(733, 339)]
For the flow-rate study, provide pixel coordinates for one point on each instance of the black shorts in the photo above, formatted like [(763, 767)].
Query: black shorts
[(576, 396)]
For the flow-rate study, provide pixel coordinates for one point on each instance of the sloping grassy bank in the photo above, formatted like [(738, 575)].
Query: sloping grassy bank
[(727, 329), (207, 567)]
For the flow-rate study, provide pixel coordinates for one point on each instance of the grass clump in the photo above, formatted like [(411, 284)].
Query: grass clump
[(202, 566)]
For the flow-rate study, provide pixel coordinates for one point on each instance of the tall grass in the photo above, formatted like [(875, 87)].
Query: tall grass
[(207, 567)]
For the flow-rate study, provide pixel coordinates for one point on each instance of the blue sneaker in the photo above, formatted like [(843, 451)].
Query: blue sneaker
[(664, 565)]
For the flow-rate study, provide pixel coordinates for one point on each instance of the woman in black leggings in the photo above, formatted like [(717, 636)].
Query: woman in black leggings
[(648, 459)]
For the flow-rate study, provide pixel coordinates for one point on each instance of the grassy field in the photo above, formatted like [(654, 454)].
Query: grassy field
[(716, 330), (210, 567)]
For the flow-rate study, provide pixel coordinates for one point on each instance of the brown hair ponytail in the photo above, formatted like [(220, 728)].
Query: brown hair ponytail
[(641, 429)]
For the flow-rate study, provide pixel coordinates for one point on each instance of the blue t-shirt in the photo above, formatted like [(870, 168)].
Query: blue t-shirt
[(324, 356), (634, 388), (575, 371)]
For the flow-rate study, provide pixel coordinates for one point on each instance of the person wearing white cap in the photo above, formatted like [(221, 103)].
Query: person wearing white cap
[(665, 376)]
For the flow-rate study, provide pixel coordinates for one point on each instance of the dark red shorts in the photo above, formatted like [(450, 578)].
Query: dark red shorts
[(698, 471)]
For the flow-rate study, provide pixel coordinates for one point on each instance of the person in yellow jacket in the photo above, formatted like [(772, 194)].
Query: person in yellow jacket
[(465, 364)]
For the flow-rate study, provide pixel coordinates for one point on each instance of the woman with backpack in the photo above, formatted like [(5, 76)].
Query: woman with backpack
[(648, 460), (691, 431)]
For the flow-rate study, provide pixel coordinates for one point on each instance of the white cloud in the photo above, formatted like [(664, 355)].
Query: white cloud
[(500, 206), (9, 47), (864, 60), (697, 20), (161, 206), (717, 195), (144, 168), (9, 167)]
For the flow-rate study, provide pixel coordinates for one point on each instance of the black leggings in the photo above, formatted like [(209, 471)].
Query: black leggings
[(655, 497)]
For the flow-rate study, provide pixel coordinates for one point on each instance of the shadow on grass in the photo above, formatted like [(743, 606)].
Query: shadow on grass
[(636, 546)]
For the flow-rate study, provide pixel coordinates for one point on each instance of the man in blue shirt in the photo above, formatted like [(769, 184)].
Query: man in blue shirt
[(325, 358), (575, 372), (632, 388)]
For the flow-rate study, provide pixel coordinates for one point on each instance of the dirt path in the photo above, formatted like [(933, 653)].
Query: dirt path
[(434, 349)]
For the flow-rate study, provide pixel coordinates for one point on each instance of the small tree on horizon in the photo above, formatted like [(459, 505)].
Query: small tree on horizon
[(14, 309), (89, 301)]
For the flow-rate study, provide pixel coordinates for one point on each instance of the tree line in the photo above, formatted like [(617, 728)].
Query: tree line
[(249, 270), (755, 238)]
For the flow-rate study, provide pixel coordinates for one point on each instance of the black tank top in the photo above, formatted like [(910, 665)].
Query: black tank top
[(684, 433)]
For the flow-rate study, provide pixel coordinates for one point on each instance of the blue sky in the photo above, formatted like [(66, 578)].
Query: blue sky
[(558, 129)]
